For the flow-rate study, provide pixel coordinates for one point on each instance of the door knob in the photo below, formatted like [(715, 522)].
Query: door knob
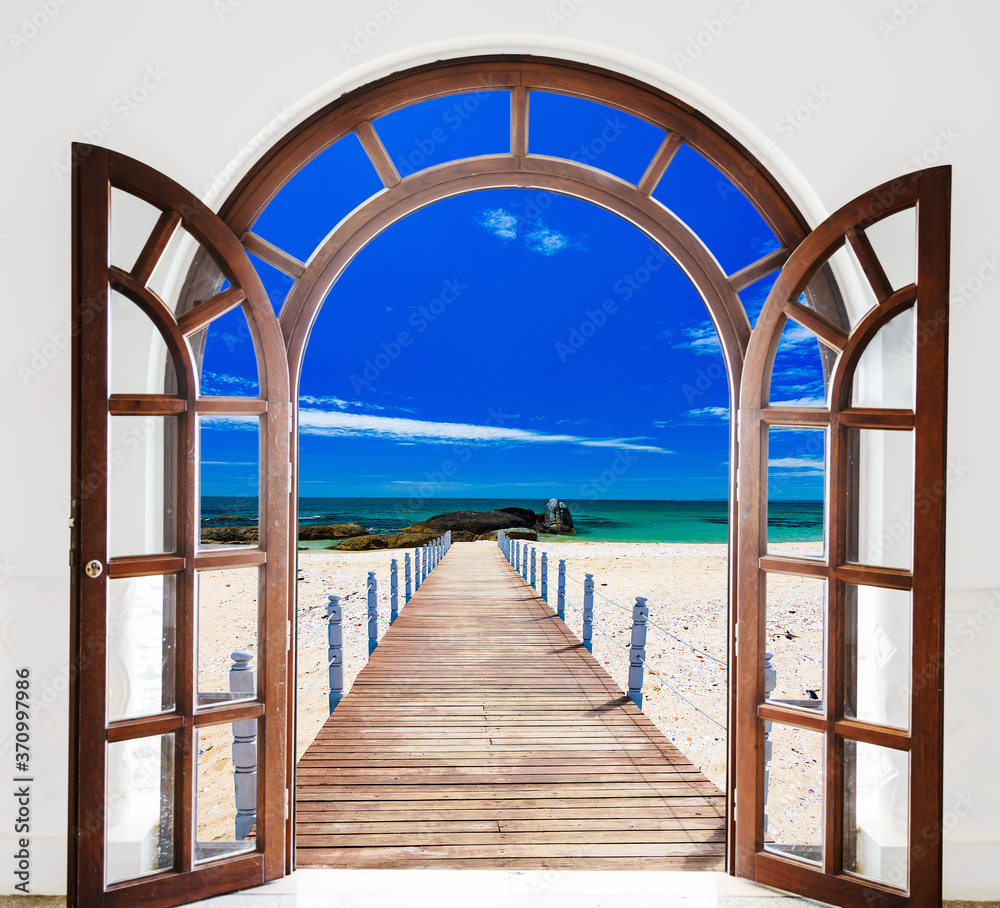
[(94, 568)]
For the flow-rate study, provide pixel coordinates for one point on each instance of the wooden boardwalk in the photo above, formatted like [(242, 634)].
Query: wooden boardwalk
[(482, 734)]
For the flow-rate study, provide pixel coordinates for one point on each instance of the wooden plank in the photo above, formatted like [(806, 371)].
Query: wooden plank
[(504, 743)]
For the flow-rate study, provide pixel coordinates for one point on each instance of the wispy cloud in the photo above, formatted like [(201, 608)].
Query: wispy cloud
[(222, 384), (709, 413), (403, 430), (700, 339), (800, 402), (804, 466), (499, 222), (537, 237)]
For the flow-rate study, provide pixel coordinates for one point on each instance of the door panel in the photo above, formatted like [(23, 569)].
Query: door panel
[(838, 785), (151, 705)]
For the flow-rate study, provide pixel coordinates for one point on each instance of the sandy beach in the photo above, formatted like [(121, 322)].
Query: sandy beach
[(686, 588)]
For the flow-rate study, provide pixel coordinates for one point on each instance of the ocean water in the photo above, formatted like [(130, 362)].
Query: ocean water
[(595, 521)]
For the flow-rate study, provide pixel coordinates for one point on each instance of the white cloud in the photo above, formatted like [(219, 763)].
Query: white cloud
[(811, 465), (404, 430), (546, 241), (703, 339), (799, 402), (713, 412), (500, 222)]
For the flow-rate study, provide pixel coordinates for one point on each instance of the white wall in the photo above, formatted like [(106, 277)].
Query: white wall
[(893, 85)]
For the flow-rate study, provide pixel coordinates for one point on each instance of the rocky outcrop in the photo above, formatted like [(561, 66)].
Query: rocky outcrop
[(475, 522), (230, 535), (556, 519), (511, 532), (523, 514), (362, 544), (333, 531)]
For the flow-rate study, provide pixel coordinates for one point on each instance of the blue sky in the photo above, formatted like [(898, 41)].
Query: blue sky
[(511, 342)]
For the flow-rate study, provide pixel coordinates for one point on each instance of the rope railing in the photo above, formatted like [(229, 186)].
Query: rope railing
[(517, 555)]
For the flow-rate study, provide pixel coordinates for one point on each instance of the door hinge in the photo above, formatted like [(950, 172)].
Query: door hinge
[(288, 636), (286, 803), (734, 799)]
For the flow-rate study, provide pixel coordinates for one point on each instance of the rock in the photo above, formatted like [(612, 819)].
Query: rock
[(410, 540), (476, 522), (512, 533), (333, 531), (527, 516), (465, 536), (230, 535), (363, 544), (557, 519)]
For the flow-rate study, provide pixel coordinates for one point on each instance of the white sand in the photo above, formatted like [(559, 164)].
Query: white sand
[(686, 587)]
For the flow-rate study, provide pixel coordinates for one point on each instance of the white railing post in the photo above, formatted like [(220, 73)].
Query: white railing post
[(637, 650), (372, 612), (243, 680), (524, 562), (423, 566), (533, 568), (561, 590), (588, 612), (335, 652), (407, 579), (416, 569), (545, 576), (517, 556), (770, 683), (393, 591)]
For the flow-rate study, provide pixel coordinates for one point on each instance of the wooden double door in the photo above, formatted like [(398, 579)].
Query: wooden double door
[(837, 796)]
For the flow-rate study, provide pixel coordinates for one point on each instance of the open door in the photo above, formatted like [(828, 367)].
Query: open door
[(153, 701), (838, 790)]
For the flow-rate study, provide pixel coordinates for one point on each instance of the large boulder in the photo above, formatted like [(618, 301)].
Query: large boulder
[(511, 533), (363, 544), (230, 535), (475, 522), (557, 519), (522, 514), (333, 531), (410, 540)]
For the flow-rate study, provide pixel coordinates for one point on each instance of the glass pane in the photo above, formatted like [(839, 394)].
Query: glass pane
[(142, 493), (793, 792), (880, 498), (796, 632), (227, 624), (876, 812), (754, 296), (839, 291), (139, 811), (894, 240), (142, 629), (228, 357), (226, 801), (885, 376), (229, 451), (878, 655), (796, 491), (172, 271), (446, 129), (800, 370), (318, 197), (139, 361), (708, 202), (276, 283), (584, 131), (132, 221)]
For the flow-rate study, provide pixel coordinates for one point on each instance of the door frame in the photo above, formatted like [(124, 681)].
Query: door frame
[(354, 113)]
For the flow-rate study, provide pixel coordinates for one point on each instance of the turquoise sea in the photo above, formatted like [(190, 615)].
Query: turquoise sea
[(595, 521)]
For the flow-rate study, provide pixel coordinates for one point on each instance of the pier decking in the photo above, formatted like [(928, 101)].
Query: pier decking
[(482, 734)]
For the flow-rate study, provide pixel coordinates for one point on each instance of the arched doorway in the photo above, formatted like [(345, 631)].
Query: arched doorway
[(824, 309)]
